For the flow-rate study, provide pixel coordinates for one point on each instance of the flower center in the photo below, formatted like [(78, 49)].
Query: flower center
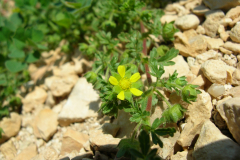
[(125, 83)]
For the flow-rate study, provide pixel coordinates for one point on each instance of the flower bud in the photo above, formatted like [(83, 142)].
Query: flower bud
[(189, 93)]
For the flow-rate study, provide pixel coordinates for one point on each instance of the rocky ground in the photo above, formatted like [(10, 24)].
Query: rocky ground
[(59, 118)]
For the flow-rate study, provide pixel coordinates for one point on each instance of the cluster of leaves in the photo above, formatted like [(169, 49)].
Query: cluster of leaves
[(108, 31), (120, 42), (34, 26)]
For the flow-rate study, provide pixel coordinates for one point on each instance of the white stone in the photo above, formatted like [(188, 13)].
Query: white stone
[(82, 103), (216, 90)]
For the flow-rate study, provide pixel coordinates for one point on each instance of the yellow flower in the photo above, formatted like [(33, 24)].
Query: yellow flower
[(124, 84)]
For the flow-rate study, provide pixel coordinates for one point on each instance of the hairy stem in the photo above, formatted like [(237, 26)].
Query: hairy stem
[(149, 79), (164, 99)]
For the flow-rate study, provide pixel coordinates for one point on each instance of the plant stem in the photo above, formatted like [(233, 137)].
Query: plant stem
[(107, 74), (149, 79), (164, 99), (136, 129)]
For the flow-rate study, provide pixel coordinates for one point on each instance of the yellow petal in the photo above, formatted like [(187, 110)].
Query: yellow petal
[(135, 77), (121, 95), (113, 80), (121, 70), (136, 92)]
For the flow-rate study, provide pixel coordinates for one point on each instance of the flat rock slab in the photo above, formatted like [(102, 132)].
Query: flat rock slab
[(230, 112), (82, 103), (212, 144)]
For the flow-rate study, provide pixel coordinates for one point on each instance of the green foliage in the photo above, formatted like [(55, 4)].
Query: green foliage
[(111, 33)]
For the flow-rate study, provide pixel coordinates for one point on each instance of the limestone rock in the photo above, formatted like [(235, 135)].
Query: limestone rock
[(225, 51), (109, 128), (221, 4), (167, 18), (214, 43), (8, 150), (235, 92), (200, 10), (104, 142), (49, 153), (212, 144), (200, 30), (73, 140), (41, 126), (215, 71), (38, 96), (198, 112), (190, 43), (126, 126), (187, 22), (169, 143), (216, 90), (200, 81), (223, 34), (10, 126), (180, 65), (28, 153), (61, 86), (235, 33), (64, 70), (210, 54), (212, 22), (184, 155), (82, 156), (230, 60), (82, 103), (230, 112), (236, 76), (233, 13), (235, 47)]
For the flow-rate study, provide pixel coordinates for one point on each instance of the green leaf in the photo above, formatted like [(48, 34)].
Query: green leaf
[(15, 52), (1, 132), (3, 79), (121, 152), (63, 19), (162, 50), (37, 35), (169, 55), (125, 144), (152, 154), (144, 140), (33, 57), (15, 66), (165, 131), (18, 44), (156, 140), (135, 153), (156, 123)]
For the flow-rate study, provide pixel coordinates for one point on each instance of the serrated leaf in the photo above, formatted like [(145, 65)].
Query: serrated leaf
[(151, 154), (156, 139), (165, 131), (135, 153), (169, 55), (144, 140), (15, 66), (121, 152)]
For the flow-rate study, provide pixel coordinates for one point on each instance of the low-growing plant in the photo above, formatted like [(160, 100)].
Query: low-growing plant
[(118, 36), (123, 51)]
